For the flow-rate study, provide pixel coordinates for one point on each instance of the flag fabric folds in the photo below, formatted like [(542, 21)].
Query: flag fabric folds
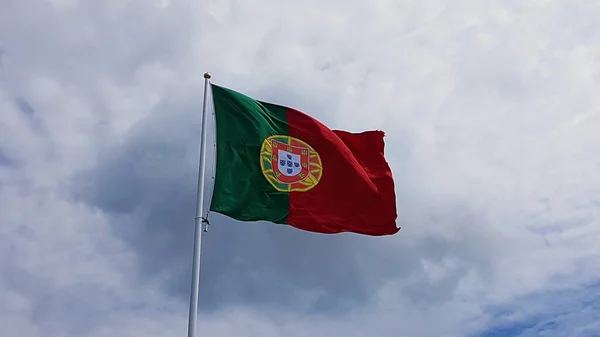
[(277, 164)]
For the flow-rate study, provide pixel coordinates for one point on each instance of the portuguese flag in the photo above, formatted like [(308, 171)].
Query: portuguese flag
[(277, 164)]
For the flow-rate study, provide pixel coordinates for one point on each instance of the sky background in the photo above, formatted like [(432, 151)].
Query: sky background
[(491, 111)]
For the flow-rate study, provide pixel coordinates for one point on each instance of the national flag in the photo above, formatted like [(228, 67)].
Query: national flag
[(278, 164)]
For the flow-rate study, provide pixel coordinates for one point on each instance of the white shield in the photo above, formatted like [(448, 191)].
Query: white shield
[(289, 163)]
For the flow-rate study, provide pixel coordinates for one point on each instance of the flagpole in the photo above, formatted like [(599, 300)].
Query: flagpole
[(199, 220)]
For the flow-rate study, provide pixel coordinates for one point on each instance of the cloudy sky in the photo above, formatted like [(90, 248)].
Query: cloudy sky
[(491, 110)]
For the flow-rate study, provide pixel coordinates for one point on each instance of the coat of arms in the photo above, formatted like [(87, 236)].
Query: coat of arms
[(290, 164)]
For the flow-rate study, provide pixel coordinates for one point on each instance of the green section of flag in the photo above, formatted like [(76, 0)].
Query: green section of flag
[(241, 190)]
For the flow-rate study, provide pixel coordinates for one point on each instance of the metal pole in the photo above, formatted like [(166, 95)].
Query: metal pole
[(198, 221)]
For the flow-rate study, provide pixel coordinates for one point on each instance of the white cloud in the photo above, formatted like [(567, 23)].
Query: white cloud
[(491, 114)]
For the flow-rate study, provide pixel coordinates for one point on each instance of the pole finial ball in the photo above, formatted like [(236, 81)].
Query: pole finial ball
[(207, 76)]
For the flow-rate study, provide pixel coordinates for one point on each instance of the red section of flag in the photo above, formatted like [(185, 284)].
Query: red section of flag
[(356, 192)]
